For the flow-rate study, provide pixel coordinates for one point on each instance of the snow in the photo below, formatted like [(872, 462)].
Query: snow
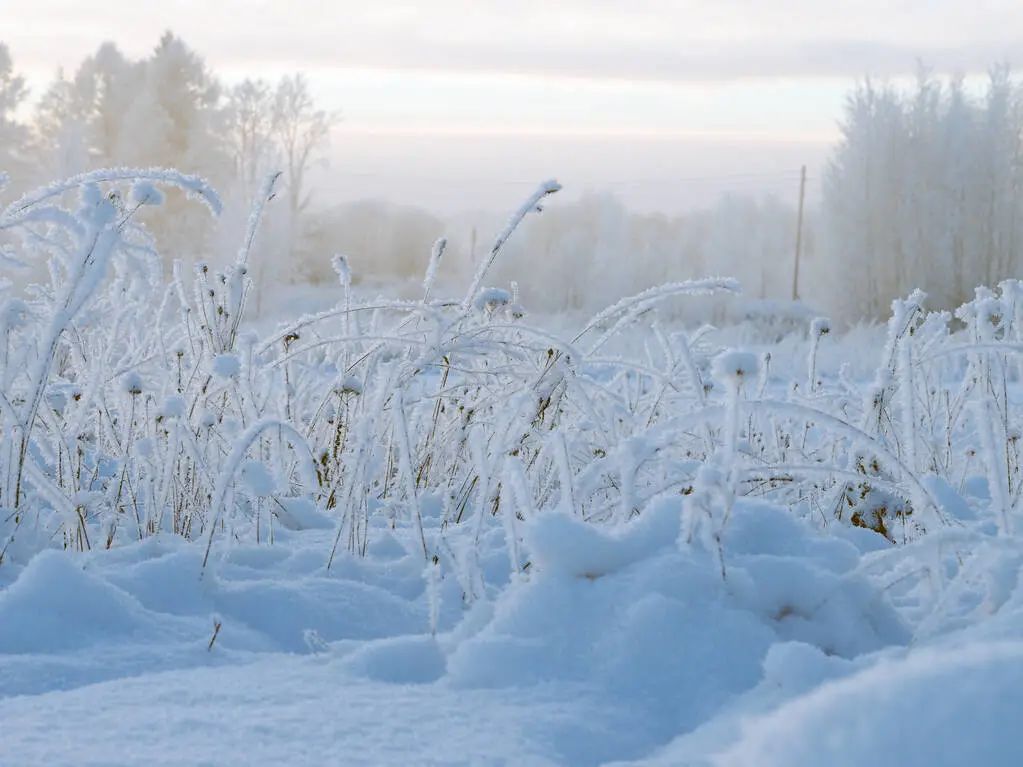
[(618, 641), (226, 365), (301, 711), (54, 606), (621, 625), (735, 366), (146, 193), (490, 299), (192, 185), (131, 383), (932, 707), (173, 407), (257, 478)]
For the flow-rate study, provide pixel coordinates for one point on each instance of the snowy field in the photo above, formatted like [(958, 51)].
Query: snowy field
[(442, 531)]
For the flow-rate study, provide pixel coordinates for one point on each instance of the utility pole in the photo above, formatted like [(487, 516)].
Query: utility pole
[(799, 233)]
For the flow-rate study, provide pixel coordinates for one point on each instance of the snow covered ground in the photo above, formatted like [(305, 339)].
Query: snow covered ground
[(619, 645)]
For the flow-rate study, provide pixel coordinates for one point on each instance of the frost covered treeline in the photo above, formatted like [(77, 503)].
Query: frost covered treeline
[(169, 110), (923, 190)]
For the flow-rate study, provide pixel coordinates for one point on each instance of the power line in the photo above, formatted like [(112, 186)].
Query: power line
[(448, 180)]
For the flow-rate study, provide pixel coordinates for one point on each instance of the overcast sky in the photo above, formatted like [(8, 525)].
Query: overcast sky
[(461, 103)]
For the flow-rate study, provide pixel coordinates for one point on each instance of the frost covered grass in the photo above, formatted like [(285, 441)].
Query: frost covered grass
[(487, 503), (138, 406)]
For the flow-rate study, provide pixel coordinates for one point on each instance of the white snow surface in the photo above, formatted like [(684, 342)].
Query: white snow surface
[(621, 643)]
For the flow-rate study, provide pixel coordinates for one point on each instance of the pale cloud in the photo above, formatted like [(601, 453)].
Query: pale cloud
[(644, 39)]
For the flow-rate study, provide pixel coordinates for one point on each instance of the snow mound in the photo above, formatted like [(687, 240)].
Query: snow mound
[(652, 624), (935, 707), (563, 543), (804, 584), (54, 605), (385, 546)]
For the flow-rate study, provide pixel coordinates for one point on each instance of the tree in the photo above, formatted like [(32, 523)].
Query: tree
[(13, 134), (251, 111), (183, 106), (300, 129), (924, 190), (164, 110), (61, 144)]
